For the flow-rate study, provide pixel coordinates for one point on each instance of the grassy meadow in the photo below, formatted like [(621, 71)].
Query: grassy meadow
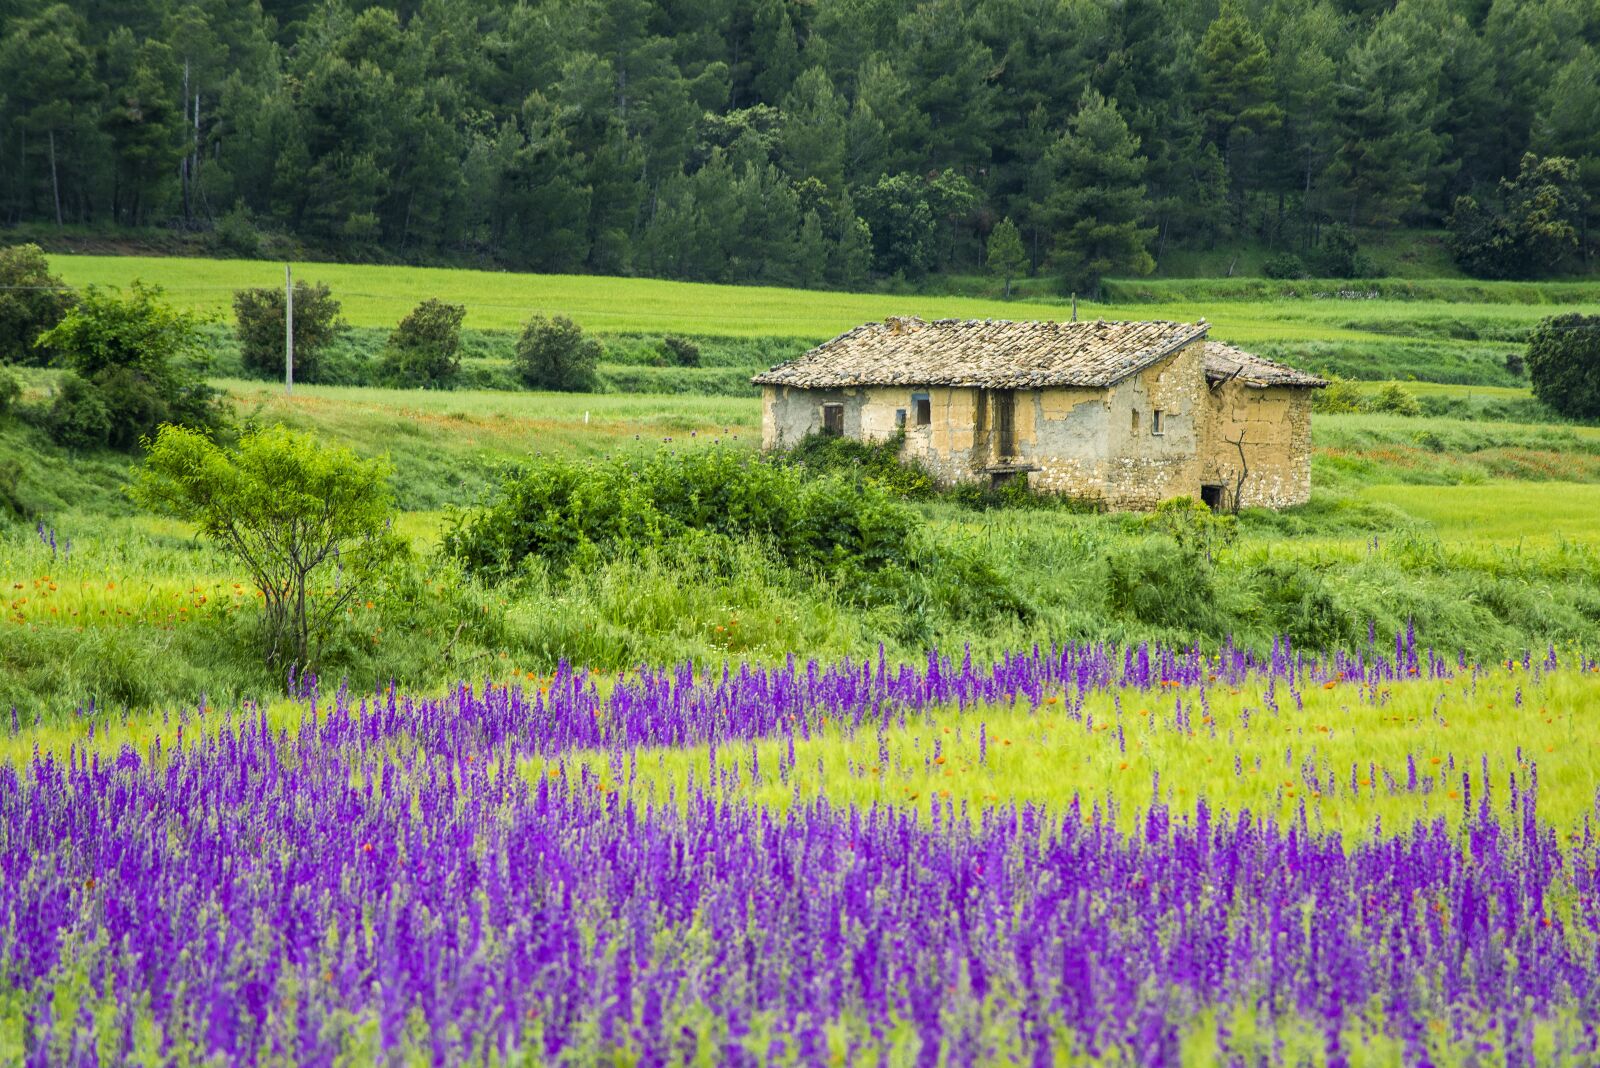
[(627, 698), (1445, 330)]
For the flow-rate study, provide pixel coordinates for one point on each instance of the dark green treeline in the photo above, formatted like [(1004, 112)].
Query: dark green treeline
[(805, 142)]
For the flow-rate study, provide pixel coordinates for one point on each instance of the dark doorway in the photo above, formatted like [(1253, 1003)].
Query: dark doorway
[(1005, 436), (833, 420), (1211, 497)]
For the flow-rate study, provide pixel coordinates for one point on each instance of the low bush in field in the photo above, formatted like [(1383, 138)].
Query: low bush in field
[(875, 462), (852, 534)]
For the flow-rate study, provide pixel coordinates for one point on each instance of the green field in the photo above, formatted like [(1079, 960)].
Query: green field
[(377, 296)]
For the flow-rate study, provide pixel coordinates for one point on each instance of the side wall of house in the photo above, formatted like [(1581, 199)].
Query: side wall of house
[(1103, 444), (1275, 426)]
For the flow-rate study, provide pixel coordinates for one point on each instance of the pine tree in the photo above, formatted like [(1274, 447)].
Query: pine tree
[(811, 252), (777, 53), (1100, 202), (814, 130), (1236, 81), (1388, 146), (1006, 255)]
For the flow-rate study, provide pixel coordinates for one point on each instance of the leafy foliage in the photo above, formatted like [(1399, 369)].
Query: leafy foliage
[(1564, 364), (258, 317), (1007, 258), (1340, 256), (32, 300), (135, 363), (851, 533), (310, 521), (876, 462), (10, 392), (1531, 227), (1284, 265), (680, 351), (425, 348), (554, 354)]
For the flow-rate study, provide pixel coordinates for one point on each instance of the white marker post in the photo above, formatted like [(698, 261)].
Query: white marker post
[(288, 329)]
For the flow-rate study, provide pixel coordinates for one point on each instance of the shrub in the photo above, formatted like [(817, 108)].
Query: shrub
[(304, 517), (79, 417), (680, 352), (876, 462), (1564, 364), (425, 348), (554, 354), (1340, 256), (1284, 265), (258, 315), (1156, 581), (10, 392), (236, 231), (1516, 364), (1394, 399), (570, 515), (1340, 396), (1192, 525), (136, 363), (1297, 603), (32, 300)]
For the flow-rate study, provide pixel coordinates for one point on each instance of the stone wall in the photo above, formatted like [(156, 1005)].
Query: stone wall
[(1275, 423)]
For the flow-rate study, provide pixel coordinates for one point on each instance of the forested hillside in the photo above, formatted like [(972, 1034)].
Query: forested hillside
[(811, 143)]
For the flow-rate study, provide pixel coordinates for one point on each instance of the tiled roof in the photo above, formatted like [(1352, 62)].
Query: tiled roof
[(986, 353), (1225, 361)]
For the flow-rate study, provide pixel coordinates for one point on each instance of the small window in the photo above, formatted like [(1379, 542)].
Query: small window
[(899, 418), (1136, 420), (833, 420), (1156, 424), (923, 407)]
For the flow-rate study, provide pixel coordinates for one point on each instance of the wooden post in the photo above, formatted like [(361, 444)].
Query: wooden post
[(1074, 307), (288, 329)]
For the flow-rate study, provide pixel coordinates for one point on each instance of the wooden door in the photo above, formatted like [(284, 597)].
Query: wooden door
[(833, 420), (1005, 435)]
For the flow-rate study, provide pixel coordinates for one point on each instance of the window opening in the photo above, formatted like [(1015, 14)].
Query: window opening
[(1156, 426), (1136, 420), (923, 407), (899, 418)]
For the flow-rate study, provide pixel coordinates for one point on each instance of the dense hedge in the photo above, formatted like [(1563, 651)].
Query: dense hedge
[(852, 534)]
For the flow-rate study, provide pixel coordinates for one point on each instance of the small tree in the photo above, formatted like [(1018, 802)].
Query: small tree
[(309, 521), (554, 354), (32, 300), (1564, 364), (1528, 229), (1007, 257), (425, 349), (136, 363), (258, 314)]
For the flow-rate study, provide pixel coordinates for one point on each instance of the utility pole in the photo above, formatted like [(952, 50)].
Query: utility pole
[(288, 329)]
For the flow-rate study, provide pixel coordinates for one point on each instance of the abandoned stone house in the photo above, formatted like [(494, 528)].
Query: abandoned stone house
[(1127, 413)]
